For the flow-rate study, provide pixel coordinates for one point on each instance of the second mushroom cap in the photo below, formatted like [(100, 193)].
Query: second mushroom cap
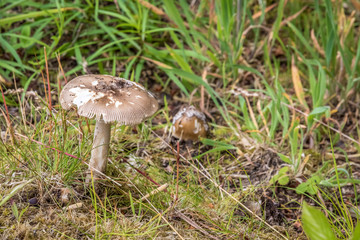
[(189, 124)]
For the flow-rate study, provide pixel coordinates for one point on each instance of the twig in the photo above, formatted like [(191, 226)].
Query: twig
[(153, 192)]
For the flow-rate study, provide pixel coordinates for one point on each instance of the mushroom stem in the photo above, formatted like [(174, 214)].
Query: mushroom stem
[(100, 149)]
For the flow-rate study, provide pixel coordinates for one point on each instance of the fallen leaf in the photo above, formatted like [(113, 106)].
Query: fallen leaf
[(299, 90)]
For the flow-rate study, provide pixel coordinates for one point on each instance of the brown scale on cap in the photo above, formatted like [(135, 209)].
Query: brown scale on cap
[(109, 98), (189, 124)]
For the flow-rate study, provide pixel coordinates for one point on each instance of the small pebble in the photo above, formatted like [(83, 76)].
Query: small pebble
[(33, 201)]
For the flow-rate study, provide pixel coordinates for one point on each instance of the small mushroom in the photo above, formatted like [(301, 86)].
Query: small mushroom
[(108, 99), (189, 124)]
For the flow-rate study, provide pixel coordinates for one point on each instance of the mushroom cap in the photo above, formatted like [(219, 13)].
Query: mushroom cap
[(109, 98), (189, 124)]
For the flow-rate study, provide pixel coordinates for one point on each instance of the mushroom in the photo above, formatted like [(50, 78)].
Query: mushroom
[(189, 124), (108, 99)]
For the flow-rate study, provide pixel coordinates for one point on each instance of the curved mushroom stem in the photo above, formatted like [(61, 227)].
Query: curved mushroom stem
[(100, 149)]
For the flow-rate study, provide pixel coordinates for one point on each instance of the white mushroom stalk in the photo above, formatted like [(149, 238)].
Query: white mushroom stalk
[(108, 99), (100, 150)]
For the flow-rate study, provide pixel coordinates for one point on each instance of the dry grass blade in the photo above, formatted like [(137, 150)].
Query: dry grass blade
[(155, 191), (153, 8), (202, 90), (267, 9), (252, 115), (73, 206), (292, 17), (299, 90), (160, 64), (262, 117), (316, 43)]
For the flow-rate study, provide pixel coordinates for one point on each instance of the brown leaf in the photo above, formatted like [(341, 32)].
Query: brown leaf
[(258, 14), (154, 9), (299, 90), (356, 4), (292, 17), (316, 43)]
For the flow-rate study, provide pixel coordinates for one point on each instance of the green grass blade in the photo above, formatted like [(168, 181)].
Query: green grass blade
[(17, 18), (14, 191), (7, 47), (174, 14)]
